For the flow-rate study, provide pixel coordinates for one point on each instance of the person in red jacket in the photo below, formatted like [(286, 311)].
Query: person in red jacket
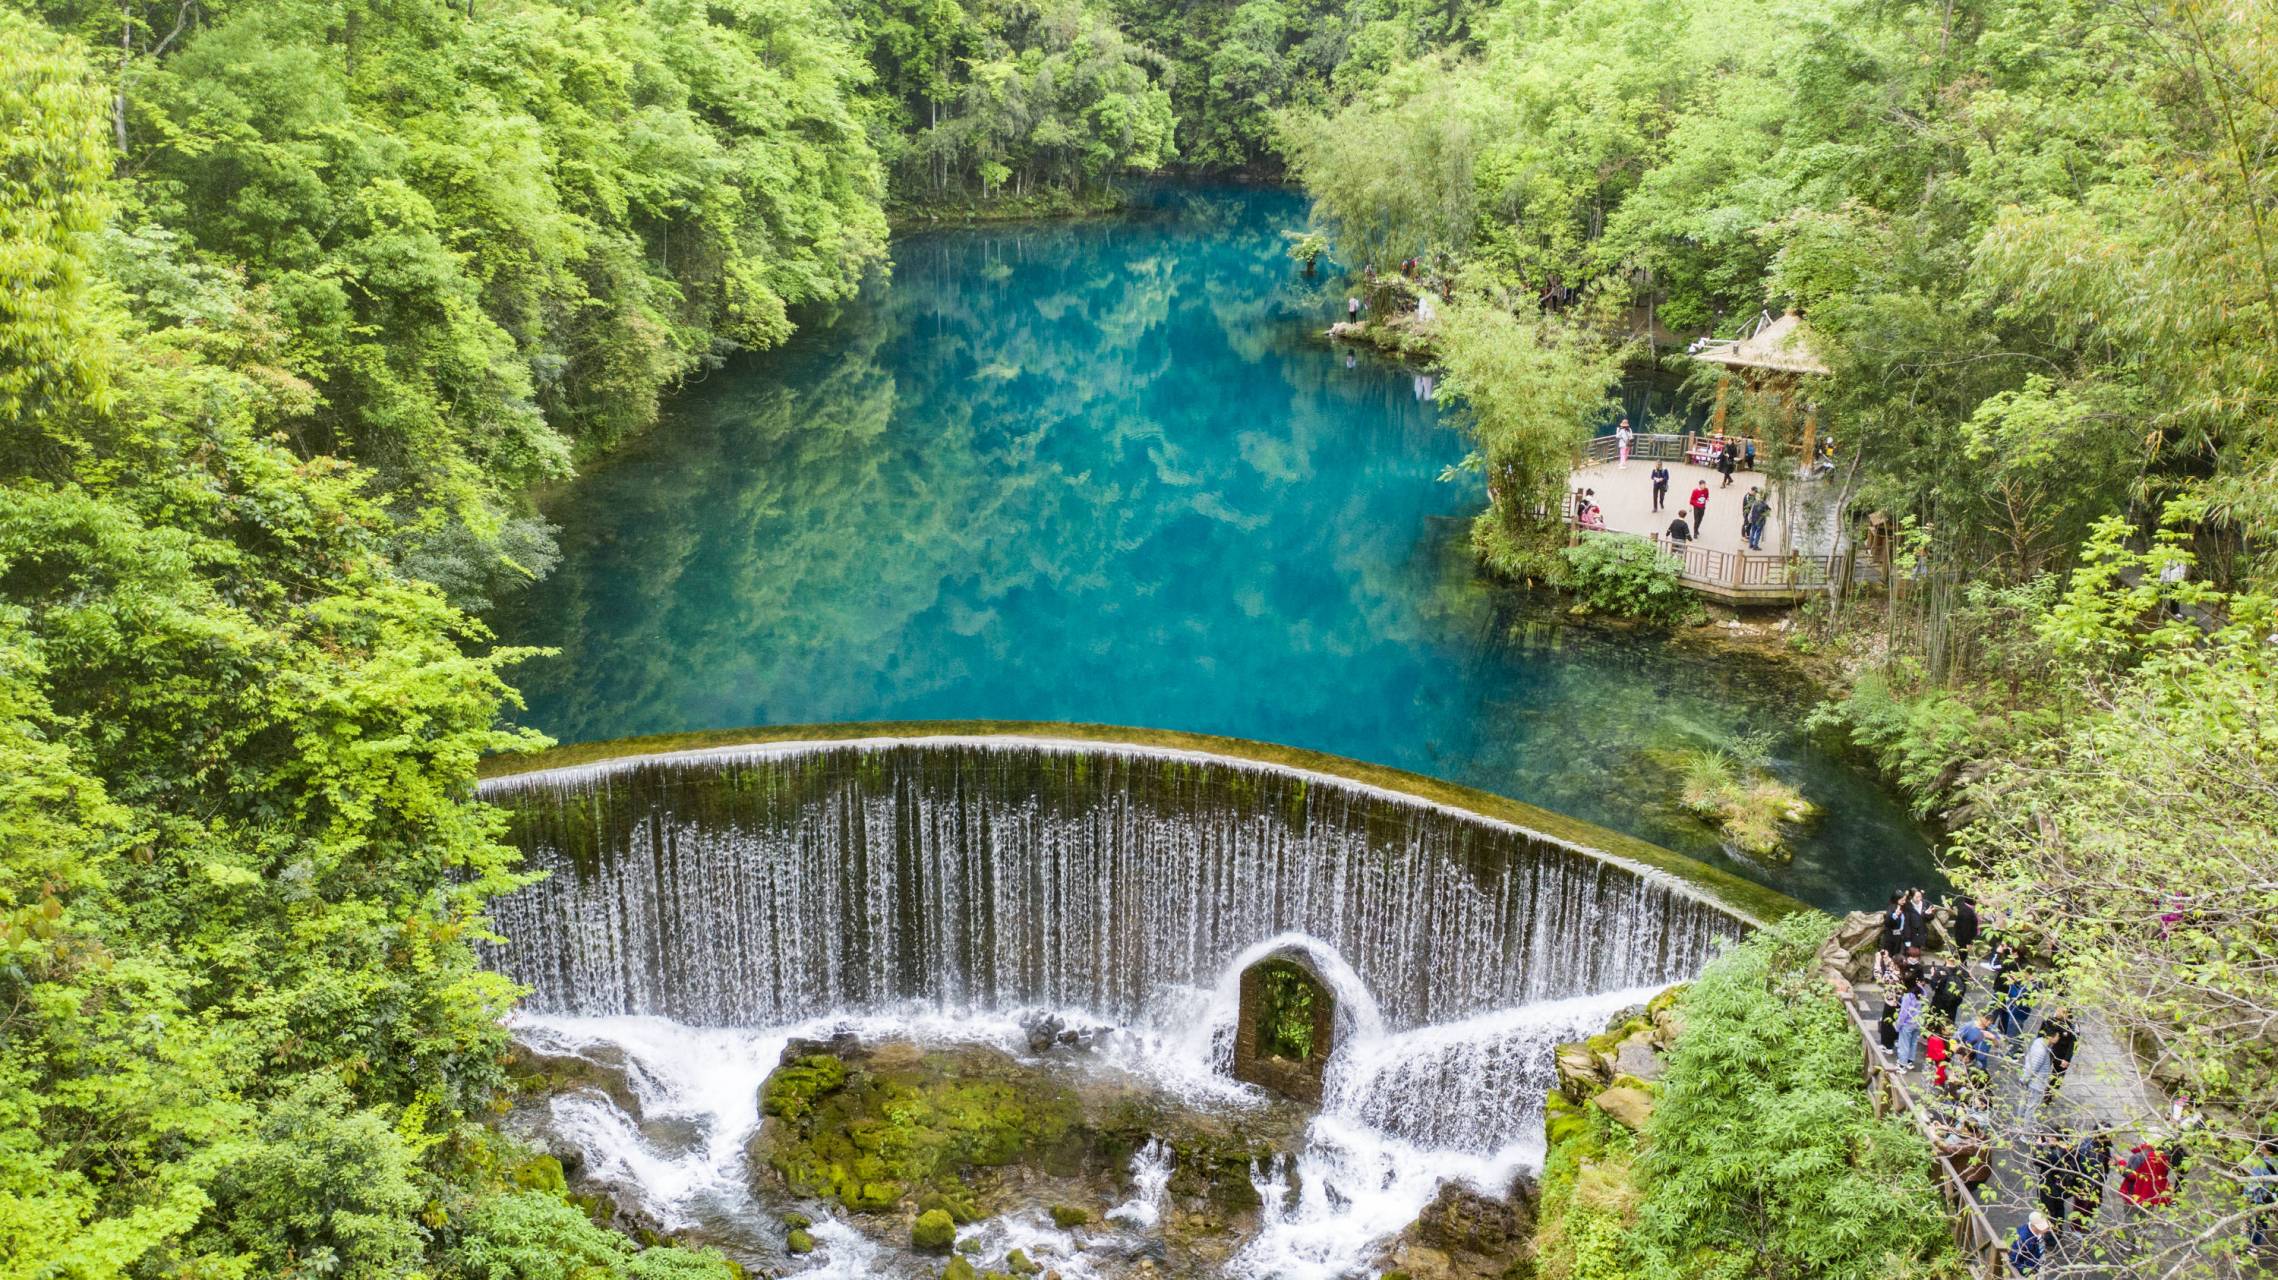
[(2144, 1180), (1700, 506)]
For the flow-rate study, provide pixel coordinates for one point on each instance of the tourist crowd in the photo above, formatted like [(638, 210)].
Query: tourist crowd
[(1995, 1065)]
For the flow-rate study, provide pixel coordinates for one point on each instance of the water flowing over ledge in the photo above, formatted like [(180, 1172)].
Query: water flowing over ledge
[(983, 866)]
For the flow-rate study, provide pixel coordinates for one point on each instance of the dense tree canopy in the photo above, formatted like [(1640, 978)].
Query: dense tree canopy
[(240, 864), (471, 245)]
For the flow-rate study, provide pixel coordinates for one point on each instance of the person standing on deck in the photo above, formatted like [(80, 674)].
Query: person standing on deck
[(1700, 506), (1910, 1010), (1677, 535), (1622, 437), (2034, 1077), (1748, 455), (1752, 512), (1727, 459), (1660, 485), (1965, 928)]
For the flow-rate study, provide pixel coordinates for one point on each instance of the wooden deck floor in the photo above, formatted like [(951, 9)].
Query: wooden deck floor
[(1627, 499)]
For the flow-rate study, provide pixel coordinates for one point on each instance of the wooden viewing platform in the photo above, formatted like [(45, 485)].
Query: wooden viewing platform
[(1718, 564)]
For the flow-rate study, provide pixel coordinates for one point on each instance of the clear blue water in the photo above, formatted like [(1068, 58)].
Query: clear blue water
[(1106, 471)]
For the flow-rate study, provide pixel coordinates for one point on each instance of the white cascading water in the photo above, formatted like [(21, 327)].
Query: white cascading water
[(761, 885), (703, 913), (1150, 1178)]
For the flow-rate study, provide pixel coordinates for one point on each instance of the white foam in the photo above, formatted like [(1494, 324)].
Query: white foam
[(1403, 1114), (1150, 1179)]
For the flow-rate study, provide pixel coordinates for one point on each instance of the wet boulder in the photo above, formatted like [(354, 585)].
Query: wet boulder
[(1466, 1235)]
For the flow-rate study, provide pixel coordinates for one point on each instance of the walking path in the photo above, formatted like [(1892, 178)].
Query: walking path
[(2103, 1092)]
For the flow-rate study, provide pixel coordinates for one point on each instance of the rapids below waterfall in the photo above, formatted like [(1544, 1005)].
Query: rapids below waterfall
[(706, 909)]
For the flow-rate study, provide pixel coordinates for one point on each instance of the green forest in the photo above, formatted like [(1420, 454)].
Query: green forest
[(301, 303)]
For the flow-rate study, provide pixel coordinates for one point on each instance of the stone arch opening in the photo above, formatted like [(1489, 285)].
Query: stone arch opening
[(1285, 1027)]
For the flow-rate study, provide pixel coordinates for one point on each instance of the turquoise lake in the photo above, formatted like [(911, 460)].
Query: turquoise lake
[(1107, 471)]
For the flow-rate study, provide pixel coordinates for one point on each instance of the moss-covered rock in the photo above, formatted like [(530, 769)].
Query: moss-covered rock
[(1065, 1216), (792, 1091), (933, 1232), (796, 1221), (893, 1126), (1463, 1235), (1020, 1264), (540, 1173), (959, 1269), (1630, 1106), (799, 1242), (970, 1131)]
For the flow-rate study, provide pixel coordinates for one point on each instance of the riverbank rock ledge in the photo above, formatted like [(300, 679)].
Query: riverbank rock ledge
[(1463, 1235)]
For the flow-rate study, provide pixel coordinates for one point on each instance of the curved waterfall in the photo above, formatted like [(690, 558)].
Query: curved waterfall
[(704, 907), (756, 885)]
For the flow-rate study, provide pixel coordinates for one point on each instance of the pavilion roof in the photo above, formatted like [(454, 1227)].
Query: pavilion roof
[(1781, 345)]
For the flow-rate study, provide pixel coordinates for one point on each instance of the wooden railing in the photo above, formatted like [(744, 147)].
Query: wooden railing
[(1981, 1246), (1739, 573), (1653, 446)]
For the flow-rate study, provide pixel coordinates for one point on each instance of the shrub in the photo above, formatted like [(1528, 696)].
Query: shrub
[(1516, 555), (1629, 578), (532, 1235), (1751, 808), (1920, 740), (1763, 1157)]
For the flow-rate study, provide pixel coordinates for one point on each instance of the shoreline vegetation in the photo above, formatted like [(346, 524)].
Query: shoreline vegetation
[(304, 302)]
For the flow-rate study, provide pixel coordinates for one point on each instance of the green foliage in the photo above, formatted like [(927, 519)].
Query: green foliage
[(1528, 386), (1392, 174), (1920, 740), (1589, 1197), (241, 869), (1306, 247), (530, 1235), (1628, 578), (1762, 1157), (52, 163), (465, 247), (1286, 1012), (984, 101)]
